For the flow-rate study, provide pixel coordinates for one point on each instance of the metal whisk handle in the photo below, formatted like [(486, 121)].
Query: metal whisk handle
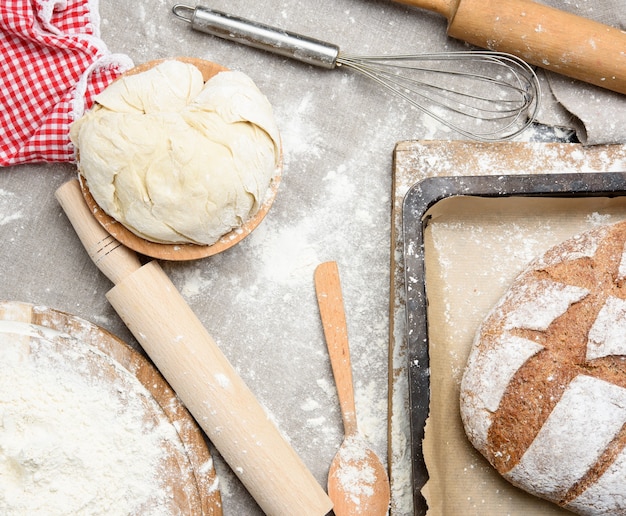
[(289, 44)]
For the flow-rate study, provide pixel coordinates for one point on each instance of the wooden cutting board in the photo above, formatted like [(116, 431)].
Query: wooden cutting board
[(188, 472), (414, 161)]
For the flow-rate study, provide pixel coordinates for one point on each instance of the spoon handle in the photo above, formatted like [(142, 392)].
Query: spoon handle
[(330, 301)]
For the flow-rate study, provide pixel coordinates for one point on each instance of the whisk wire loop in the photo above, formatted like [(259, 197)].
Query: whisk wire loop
[(513, 104), (500, 101)]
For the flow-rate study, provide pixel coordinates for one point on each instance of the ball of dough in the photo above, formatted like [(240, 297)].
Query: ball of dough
[(175, 159)]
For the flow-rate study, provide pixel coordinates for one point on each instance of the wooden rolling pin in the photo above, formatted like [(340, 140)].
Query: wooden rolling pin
[(199, 373), (543, 36)]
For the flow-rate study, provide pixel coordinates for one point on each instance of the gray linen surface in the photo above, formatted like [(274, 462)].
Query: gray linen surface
[(597, 115)]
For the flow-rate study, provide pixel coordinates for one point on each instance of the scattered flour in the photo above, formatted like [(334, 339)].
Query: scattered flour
[(598, 219), (309, 405), (8, 213)]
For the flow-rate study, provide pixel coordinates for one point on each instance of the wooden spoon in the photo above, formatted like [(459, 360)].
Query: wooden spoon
[(357, 480)]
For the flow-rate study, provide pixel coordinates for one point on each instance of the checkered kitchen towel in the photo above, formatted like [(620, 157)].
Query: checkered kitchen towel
[(53, 63)]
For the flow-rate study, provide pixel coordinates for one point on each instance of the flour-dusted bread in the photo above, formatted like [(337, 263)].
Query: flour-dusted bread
[(543, 396)]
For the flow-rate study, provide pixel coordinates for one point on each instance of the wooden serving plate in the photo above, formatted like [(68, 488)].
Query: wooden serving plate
[(180, 252), (189, 468)]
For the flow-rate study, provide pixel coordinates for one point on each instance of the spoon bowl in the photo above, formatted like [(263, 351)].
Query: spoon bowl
[(358, 483), (357, 480)]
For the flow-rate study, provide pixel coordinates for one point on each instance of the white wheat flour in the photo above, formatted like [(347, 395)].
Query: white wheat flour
[(71, 440)]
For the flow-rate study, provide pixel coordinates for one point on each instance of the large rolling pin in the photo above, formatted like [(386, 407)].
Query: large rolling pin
[(199, 373), (549, 38)]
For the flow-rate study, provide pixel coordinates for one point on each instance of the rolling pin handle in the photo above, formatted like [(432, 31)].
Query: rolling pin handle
[(112, 258), (543, 36)]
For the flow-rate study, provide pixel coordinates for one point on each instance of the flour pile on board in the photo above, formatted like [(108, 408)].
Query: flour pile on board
[(74, 443)]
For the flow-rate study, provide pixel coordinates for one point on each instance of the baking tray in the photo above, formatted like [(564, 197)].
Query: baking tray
[(420, 198)]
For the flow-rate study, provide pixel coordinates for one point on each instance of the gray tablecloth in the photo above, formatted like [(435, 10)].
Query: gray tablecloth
[(597, 115)]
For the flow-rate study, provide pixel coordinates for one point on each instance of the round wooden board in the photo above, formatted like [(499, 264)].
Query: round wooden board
[(190, 467), (180, 252)]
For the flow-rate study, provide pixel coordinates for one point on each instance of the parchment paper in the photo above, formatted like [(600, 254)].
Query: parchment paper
[(474, 249)]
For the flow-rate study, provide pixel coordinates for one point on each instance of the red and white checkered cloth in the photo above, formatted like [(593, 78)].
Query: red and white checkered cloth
[(53, 63)]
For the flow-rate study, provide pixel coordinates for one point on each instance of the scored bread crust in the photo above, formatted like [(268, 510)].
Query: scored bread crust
[(543, 395)]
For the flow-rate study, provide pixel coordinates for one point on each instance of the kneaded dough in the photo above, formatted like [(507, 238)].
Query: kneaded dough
[(177, 160)]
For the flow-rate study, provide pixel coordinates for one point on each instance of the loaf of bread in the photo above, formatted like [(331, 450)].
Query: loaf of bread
[(543, 396)]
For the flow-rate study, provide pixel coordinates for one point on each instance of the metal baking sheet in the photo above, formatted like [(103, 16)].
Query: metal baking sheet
[(423, 196)]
